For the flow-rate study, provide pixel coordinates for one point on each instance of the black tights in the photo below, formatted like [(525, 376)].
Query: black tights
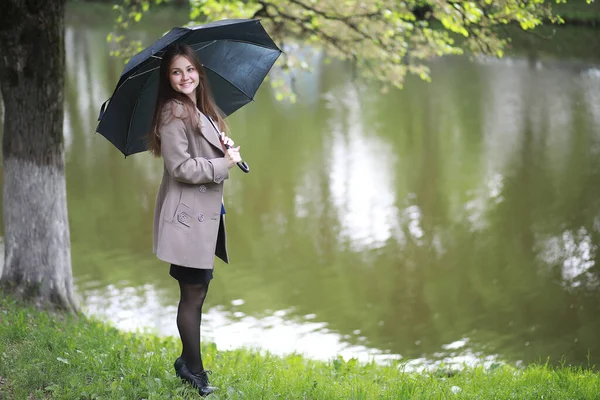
[(189, 318)]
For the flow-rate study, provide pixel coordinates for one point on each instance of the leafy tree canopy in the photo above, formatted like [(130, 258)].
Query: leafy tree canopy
[(385, 39)]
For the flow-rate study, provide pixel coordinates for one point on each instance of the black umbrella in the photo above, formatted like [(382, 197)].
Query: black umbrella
[(236, 54)]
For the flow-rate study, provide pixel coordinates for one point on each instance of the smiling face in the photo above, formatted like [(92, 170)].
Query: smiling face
[(184, 77)]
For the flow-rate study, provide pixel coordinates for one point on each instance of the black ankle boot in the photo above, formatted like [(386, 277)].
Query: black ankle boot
[(199, 380)]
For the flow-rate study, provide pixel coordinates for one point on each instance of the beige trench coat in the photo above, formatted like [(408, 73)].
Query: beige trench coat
[(189, 229)]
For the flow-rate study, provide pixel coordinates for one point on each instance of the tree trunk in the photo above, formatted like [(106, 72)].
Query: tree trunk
[(37, 263)]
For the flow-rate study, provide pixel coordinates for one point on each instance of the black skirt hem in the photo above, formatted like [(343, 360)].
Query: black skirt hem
[(190, 275)]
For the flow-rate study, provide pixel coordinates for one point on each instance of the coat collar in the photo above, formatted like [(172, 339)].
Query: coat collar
[(209, 132)]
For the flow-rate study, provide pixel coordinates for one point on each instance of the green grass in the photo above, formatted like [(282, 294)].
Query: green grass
[(52, 356)]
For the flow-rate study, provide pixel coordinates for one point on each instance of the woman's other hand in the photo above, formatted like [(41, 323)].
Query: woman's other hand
[(233, 156)]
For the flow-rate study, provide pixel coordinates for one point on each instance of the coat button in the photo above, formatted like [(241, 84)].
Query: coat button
[(201, 217), (218, 178), (184, 218), (202, 188)]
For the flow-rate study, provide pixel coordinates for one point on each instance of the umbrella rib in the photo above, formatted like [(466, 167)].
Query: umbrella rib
[(142, 73), (204, 66), (160, 58), (135, 76), (137, 100), (241, 41), (200, 48)]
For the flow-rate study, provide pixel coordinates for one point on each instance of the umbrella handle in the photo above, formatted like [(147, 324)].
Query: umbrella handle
[(244, 166)]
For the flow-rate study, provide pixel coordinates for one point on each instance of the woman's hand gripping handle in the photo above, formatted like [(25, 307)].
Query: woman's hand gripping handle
[(232, 154)]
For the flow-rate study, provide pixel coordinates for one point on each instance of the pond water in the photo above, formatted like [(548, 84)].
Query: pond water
[(456, 220)]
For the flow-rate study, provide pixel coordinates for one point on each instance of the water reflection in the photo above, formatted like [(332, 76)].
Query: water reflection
[(361, 173), (589, 82), (455, 355), (575, 252), (140, 308)]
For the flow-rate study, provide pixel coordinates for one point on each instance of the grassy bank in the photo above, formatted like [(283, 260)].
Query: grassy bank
[(49, 356)]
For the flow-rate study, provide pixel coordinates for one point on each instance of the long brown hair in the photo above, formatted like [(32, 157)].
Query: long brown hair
[(166, 93)]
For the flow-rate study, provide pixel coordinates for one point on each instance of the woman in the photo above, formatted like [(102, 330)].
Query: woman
[(189, 228)]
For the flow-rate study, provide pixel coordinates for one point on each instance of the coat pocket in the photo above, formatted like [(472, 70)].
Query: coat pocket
[(183, 216)]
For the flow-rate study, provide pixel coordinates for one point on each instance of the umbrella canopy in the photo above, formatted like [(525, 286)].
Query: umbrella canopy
[(236, 54)]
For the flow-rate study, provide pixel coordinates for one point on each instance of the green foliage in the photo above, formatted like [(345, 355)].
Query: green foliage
[(129, 12), (50, 356), (386, 39)]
